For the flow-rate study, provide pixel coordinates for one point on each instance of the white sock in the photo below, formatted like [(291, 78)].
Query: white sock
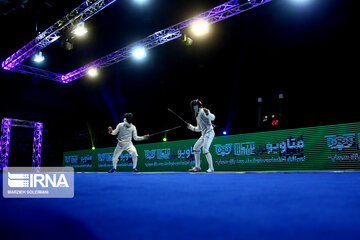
[(197, 159), (116, 155), (114, 163), (134, 160), (209, 160)]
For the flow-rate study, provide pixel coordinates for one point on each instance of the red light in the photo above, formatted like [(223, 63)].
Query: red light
[(275, 122)]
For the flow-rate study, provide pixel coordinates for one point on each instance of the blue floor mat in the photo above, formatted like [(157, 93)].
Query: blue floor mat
[(192, 206)]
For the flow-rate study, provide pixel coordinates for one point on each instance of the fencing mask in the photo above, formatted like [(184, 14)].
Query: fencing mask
[(128, 117), (195, 105)]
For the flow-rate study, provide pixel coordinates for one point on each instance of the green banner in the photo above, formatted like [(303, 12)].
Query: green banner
[(333, 147)]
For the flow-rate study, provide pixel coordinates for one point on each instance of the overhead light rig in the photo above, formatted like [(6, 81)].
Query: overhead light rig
[(88, 9)]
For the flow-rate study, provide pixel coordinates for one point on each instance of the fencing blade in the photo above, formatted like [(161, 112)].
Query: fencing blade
[(150, 135), (178, 116)]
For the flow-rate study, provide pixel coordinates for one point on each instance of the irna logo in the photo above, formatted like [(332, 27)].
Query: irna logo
[(34, 180), (51, 182)]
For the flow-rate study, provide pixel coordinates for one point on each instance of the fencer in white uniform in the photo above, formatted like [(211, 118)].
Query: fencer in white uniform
[(204, 125), (126, 131)]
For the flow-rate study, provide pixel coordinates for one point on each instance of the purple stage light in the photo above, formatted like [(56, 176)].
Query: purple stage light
[(6, 125)]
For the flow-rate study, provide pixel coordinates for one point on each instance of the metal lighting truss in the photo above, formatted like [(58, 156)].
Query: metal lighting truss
[(213, 15), (80, 14), (6, 125), (5, 142)]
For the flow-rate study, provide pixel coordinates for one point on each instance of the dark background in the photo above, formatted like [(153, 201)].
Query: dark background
[(306, 50)]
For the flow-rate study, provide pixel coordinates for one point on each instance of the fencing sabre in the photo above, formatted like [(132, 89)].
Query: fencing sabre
[(165, 131), (183, 119), (178, 116)]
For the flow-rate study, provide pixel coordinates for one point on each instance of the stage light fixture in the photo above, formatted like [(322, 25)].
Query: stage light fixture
[(93, 148), (224, 133), (39, 57), (187, 40), (200, 28), (93, 72), (164, 139), (139, 53), (80, 30)]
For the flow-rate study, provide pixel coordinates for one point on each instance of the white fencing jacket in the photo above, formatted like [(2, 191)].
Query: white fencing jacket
[(204, 124), (126, 133)]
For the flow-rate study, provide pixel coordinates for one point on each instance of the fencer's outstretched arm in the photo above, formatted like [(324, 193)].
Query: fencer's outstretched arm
[(139, 138)]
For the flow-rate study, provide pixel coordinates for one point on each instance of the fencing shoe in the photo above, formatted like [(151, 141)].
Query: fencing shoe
[(195, 169)]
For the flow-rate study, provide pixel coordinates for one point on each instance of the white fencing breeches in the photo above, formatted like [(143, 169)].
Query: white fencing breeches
[(130, 148), (204, 141)]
